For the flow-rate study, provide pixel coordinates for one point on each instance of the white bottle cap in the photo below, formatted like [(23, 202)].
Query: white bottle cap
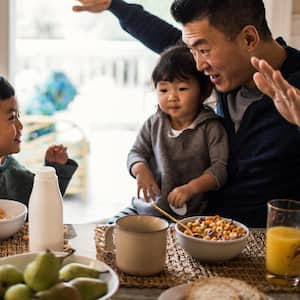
[(46, 172)]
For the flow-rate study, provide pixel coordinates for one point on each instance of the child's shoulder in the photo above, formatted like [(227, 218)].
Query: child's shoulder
[(154, 118), (12, 162)]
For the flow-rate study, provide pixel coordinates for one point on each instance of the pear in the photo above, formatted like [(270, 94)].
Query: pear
[(60, 291), (42, 272), (9, 275), (89, 288), (18, 291), (74, 270)]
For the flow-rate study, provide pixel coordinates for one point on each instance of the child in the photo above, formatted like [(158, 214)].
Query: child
[(181, 151), (15, 181)]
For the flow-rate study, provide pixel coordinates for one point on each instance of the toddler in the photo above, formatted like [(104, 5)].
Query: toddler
[(181, 151)]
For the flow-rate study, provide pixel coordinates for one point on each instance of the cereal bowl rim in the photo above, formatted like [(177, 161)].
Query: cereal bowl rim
[(218, 242), (14, 218)]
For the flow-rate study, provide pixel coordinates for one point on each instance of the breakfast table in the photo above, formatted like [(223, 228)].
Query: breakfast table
[(84, 243), (87, 240)]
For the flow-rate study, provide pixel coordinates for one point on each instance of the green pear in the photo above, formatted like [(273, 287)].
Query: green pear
[(42, 272), (74, 270), (9, 275), (60, 291), (90, 288), (18, 291)]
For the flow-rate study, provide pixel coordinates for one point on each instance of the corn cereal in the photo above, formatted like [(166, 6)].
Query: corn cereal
[(215, 228)]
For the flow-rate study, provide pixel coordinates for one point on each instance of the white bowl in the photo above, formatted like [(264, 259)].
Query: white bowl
[(17, 213), (210, 251), (22, 260)]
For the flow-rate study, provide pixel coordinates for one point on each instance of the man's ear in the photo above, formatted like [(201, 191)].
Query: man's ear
[(250, 37)]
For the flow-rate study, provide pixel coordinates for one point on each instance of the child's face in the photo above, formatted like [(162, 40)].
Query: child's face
[(179, 99), (10, 126)]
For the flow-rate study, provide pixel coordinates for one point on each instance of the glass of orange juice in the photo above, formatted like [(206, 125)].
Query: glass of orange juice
[(283, 242)]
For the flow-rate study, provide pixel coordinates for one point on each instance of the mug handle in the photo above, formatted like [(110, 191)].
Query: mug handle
[(108, 238)]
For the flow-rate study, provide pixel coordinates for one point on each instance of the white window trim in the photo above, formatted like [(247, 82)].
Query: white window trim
[(7, 38)]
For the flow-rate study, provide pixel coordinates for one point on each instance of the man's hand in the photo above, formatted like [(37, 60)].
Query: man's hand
[(57, 154), (179, 196), (145, 182), (93, 6), (285, 96)]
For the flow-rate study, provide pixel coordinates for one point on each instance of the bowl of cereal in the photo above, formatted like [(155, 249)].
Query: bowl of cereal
[(12, 217), (212, 238)]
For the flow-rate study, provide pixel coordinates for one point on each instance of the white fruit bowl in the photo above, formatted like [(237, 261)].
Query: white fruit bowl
[(16, 212), (20, 261), (208, 250)]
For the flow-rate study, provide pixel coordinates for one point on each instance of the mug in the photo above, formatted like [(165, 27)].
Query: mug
[(283, 242), (140, 243)]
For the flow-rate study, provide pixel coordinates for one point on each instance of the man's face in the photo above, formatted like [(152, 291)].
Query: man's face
[(225, 61)]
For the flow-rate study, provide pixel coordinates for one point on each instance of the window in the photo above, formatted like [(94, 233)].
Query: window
[(111, 74)]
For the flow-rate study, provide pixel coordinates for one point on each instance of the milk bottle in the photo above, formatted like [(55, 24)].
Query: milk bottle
[(46, 229)]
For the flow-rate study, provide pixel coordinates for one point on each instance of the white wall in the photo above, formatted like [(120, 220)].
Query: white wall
[(279, 14), (296, 7), (4, 45), (7, 35), (295, 28), (284, 19)]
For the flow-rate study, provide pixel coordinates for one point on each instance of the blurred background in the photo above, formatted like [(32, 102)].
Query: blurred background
[(84, 82)]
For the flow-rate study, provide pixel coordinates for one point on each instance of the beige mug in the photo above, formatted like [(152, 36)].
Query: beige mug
[(140, 243)]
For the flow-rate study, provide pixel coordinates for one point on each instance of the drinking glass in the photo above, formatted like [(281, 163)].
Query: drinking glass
[(283, 242)]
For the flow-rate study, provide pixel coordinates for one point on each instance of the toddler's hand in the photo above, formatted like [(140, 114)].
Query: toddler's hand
[(57, 154), (147, 185), (179, 196)]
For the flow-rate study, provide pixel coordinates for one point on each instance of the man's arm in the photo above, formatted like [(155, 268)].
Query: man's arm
[(153, 32)]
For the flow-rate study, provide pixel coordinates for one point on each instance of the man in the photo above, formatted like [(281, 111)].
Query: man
[(223, 36)]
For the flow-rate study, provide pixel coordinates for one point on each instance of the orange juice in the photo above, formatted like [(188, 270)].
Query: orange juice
[(283, 251)]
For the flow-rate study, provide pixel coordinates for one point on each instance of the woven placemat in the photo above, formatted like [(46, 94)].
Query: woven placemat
[(182, 268), (18, 243)]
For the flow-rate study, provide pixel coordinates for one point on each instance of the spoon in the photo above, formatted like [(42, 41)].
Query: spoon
[(163, 212)]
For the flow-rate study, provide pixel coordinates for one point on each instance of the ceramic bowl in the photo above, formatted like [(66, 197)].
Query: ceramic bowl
[(207, 250), (16, 212), (20, 261)]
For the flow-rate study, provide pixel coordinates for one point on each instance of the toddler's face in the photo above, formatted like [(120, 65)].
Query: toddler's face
[(180, 99), (10, 126)]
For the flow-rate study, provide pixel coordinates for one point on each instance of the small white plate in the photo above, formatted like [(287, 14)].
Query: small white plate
[(181, 211), (175, 293), (21, 261)]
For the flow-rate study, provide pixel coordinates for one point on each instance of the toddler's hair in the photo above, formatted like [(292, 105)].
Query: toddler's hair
[(177, 63), (6, 89)]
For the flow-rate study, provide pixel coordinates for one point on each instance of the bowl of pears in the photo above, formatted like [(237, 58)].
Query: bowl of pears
[(52, 276)]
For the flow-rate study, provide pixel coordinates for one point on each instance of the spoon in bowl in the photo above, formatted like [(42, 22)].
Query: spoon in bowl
[(163, 212)]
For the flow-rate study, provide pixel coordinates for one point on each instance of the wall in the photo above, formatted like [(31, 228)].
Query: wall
[(295, 28), (4, 28)]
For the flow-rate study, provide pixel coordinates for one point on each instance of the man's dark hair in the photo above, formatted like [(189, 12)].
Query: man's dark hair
[(6, 89), (177, 63), (228, 16)]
